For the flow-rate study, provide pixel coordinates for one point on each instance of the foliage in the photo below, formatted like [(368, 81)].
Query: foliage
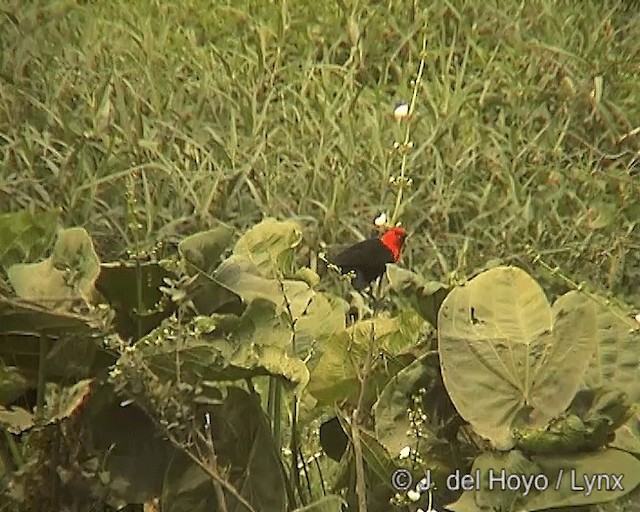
[(195, 392), (210, 152)]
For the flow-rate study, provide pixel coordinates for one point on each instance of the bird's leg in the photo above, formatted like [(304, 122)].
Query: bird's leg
[(376, 298)]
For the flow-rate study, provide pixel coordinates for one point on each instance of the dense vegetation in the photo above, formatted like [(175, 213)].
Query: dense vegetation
[(147, 149)]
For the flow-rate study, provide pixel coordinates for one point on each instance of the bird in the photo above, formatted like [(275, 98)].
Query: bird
[(368, 259)]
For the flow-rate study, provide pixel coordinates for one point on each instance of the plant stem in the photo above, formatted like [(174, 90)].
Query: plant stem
[(407, 136)]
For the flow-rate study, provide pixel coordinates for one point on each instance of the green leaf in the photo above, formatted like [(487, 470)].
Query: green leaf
[(270, 246), (509, 360), (25, 235), (628, 435), (22, 317), (509, 481), (615, 362), (425, 297), (487, 494), (224, 348), (329, 503), (244, 447), (209, 296), (61, 403), (203, 250), (323, 319), (378, 470), (68, 274), (126, 439), (588, 424), (378, 460), (573, 489), (13, 383), (186, 487), (391, 410), (16, 420), (133, 291), (615, 365), (74, 340), (335, 377), (241, 276)]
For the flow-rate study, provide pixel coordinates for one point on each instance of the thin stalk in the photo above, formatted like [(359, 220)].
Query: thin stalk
[(407, 136)]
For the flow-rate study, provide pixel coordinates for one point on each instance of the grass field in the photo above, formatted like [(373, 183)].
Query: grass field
[(145, 121), (237, 110)]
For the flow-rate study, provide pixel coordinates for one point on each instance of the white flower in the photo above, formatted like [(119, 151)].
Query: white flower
[(381, 220), (401, 110), (413, 495), (405, 452)]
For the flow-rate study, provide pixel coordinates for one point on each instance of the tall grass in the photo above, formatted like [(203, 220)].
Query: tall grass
[(244, 109)]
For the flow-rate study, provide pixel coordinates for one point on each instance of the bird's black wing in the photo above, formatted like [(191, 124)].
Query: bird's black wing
[(367, 258)]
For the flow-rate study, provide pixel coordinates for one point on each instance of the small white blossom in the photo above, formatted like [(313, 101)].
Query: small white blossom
[(381, 220), (413, 495), (405, 452), (401, 110)]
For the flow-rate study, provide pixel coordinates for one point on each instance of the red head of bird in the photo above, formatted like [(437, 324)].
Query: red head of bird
[(393, 239)]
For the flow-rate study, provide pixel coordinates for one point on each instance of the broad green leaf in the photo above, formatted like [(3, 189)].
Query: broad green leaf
[(248, 445), (222, 348), (203, 250), (69, 273), (16, 420), (509, 360), (244, 447), (321, 321), (615, 361), (24, 317), (335, 377), (270, 246), (577, 470), (377, 460), (329, 503), (378, 471), (486, 468), (61, 403), (186, 487), (209, 296), (25, 235), (391, 410), (241, 276), (308, 276), (509, 481), (13, 383), (126, 440), (133, 291), (393, 335), (628, 435), (73, 342), (425, 297), (588, 424), (615, 365)]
